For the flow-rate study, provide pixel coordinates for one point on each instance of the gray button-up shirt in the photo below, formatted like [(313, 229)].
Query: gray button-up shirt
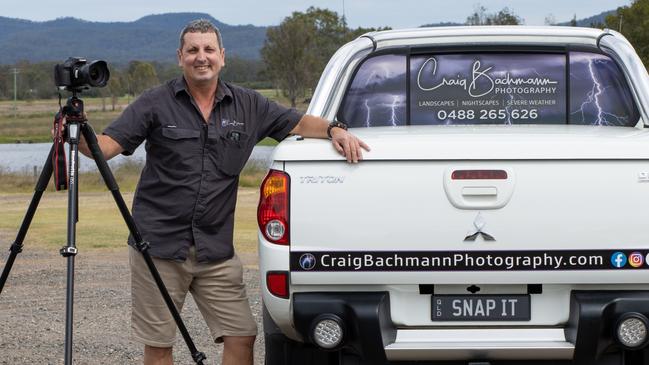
[(188, 187)]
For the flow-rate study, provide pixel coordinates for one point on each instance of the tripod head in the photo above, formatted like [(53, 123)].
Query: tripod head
[(75, 118), (73, 110)]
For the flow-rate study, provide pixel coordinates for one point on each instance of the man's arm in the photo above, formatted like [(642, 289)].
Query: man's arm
[(344, 142), (109, 147)]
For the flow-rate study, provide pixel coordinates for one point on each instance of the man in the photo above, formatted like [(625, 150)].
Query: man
[(199, 133)]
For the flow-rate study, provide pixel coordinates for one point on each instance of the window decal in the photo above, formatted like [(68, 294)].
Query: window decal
[(377, 96), (488, 89), (599, 94)]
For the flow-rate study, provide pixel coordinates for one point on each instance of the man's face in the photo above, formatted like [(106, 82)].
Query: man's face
[(201, 58)]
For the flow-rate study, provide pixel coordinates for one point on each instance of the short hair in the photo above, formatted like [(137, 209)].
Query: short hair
[(200, 26)]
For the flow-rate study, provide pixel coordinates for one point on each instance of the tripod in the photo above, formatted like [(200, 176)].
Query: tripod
[(77, 124)]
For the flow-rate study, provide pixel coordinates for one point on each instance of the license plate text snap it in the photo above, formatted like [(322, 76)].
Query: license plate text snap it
[(481, 308)]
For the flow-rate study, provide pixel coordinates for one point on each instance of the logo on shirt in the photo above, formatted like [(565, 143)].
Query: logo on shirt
[(230, 123)]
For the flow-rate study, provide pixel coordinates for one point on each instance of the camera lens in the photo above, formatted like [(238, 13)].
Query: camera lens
[(95, 73)]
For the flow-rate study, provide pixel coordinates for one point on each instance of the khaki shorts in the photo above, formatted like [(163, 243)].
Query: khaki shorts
[(217, 289)]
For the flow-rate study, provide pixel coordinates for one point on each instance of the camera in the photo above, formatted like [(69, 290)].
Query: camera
[(76, 74)]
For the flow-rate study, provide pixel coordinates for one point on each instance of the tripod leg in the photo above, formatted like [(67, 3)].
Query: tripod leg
[(70, 250), (17, 246), (142, 246)]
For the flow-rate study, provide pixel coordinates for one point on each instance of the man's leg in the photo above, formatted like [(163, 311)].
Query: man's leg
[(151, 322), (238, 350), (158, 355), (220, 294)]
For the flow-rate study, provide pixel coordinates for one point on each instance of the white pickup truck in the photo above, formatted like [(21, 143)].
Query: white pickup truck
[(498, 219)]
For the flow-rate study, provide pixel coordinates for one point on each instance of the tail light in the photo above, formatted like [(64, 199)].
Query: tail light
[(277, 283), (272, 213), (479, 175)]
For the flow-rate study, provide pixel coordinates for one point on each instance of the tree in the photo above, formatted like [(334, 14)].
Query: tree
[(502, 17), (597, 24), (293, 51), (479, 16), (506, 17), (550, 19), (243, 71), (115, 88), (141, 76), (296, 52), (167, 70), (287, 58), (573, 21), (631, 21)]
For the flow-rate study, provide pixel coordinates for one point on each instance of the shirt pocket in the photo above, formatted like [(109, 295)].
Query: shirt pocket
[(234, 152), (178, 134), (179, 148)]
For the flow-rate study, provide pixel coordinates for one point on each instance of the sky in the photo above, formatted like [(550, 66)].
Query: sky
[(363, 13)]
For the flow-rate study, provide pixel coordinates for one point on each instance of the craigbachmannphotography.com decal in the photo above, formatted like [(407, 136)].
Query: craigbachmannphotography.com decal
[(471, 261)]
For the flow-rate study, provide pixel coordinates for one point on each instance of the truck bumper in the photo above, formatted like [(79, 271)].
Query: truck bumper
[(587, 339)]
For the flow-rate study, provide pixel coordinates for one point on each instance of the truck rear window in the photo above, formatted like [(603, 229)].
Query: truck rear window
[(490, 88)]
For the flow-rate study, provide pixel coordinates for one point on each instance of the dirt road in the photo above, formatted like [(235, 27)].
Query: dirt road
[(32, 311)]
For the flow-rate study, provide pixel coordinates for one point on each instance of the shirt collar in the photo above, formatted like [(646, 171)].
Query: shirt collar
[(222, 89)]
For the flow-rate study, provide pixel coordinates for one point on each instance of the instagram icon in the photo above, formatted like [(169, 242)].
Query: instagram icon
[(636, 259)]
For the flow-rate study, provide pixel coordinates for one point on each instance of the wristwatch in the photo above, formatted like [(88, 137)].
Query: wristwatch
[(335, 124)]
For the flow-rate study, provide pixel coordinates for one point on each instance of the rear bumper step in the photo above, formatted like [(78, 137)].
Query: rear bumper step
[(496, 344)]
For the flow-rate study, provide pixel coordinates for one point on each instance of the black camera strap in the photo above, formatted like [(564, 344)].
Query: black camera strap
[(59, 161)]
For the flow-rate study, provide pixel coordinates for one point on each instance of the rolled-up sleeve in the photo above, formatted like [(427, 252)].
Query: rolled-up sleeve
[(132, 127), (275, 121)]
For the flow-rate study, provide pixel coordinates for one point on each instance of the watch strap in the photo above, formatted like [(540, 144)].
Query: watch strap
[(335, 124)]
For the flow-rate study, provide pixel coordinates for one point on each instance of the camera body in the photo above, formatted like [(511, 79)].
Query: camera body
[(76, 74)]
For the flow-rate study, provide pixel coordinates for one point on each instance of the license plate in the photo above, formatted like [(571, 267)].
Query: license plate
[(481, 308)]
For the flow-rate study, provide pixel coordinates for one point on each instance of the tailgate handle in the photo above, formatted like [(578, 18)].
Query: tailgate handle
[(484, 186), (480, 191)]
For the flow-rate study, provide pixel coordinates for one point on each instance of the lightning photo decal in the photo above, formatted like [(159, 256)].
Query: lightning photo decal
[(598, 92), (377, 96)]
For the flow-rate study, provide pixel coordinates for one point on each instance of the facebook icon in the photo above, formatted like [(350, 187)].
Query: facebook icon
[(618, 259)]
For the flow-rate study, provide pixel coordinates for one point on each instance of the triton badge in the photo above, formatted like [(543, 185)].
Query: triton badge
[(478, 230)]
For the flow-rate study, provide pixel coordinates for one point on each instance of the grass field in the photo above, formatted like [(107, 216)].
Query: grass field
[(126, 174), (31, 121), (100, 223)]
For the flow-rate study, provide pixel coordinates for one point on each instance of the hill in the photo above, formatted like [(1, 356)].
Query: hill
[(151, 38), (595, 19)]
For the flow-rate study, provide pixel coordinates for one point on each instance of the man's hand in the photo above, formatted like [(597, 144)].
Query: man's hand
[(344, 142), (108, 146), (348, 145)]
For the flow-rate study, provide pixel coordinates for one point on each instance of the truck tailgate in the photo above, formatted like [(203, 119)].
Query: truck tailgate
[(508, 218)]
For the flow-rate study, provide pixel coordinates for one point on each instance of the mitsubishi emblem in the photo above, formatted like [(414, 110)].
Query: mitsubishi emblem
[(478, 230)]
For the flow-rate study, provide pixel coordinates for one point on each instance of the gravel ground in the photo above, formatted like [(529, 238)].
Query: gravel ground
[(32, 311)]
